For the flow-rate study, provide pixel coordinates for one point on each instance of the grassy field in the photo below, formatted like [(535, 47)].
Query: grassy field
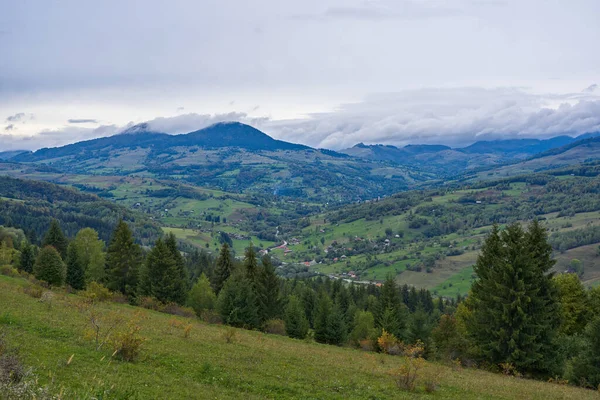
[(205, 365)]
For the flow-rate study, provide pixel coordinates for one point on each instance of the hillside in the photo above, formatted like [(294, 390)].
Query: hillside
[(51, 338), (582, 151), (431, 238), (232, 157), (31, 205)]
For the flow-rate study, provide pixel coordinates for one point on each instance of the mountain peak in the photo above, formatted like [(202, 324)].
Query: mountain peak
[(144, 127)]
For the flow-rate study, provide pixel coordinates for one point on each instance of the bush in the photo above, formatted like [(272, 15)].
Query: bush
[(388, 343), (176, 309), (9, 271), (229, 335), (96, 292), (127, 343), (275, 326), (406, 376), (150, 303), (34, 291)]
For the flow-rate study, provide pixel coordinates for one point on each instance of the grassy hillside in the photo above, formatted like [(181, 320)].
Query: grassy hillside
[(51, 338), (431, 238)]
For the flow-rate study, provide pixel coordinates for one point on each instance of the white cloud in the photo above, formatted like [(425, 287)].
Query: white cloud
[(457, 116)]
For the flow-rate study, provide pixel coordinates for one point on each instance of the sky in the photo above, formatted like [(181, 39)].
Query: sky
[(325, 73)]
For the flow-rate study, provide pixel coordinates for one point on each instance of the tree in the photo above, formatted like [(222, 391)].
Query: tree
[(296, 324), (364, 327), (27, 259), (586, 367), (237, 303), (573, 301), (514, 307), (182, 278), (75, 273), (56, 238), (49, 266), (269, 298), (90, 250), (201, 297), (337, 332), (161, 276), (123, 260), (224, 268), (391, 314), (323, 309), (251, 264)]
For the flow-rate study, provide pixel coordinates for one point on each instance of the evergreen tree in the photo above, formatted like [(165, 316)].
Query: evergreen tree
[(513, 304), (251, 264), (269, 298), (56, 238), (123, 261), (201, 297), (161, 278), (391, 314), (223, 269), (237, 303), (420, 327), (296, 324), (182, 278), (49, 266), (75, 273), (27, 259), (337, 332), (322, 312)]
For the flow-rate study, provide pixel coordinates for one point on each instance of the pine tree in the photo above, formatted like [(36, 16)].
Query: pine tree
[(322, 312), (296, 324), (181, 280), (251, 264), (56, 238), (75, 273), (161, 278), (337, 332), (237, 303), (123, 261), (223, 269), (269, 298), (391, 314), (27, 259), (49, 266), (514, 311)]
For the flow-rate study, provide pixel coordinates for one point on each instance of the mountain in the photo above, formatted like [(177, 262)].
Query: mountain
[(233, 157), (580, 151), (517, 146), (6, 155), (447, 161)]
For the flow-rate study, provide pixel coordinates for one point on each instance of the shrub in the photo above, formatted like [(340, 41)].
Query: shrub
[(9, 271), (275, 326), (176, 309), (229, 335), (34, 291), (150, 303), (388, 343), (96, 292), (127, 343)]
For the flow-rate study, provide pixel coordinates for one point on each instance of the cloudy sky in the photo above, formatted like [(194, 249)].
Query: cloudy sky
[(325, 73)]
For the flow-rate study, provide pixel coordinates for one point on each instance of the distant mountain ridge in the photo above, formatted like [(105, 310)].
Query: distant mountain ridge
[(447, 161), (234, 157)]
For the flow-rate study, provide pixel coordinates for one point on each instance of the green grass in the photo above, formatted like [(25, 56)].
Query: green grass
[(254, 366)]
